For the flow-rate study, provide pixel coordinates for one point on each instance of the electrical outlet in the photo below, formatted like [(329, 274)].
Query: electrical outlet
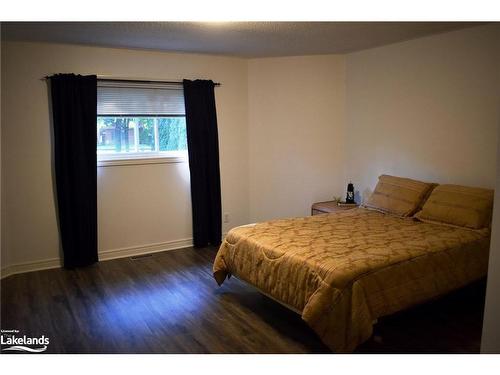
[(226, 217)]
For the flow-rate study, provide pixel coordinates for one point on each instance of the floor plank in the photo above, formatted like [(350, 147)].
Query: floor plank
[(169, 303)]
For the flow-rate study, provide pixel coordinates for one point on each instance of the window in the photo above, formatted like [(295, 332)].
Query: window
[(139, 122)]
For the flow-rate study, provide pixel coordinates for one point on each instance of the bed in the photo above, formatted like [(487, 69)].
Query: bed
[(343, 271)]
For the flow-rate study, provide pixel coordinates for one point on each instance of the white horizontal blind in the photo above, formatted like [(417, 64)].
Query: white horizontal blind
[(134, 98)]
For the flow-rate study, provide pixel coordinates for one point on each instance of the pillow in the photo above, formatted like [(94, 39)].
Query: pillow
[(458, 206), (399, 196)]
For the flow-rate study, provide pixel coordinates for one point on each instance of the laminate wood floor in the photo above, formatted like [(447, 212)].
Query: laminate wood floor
[(169, 303)]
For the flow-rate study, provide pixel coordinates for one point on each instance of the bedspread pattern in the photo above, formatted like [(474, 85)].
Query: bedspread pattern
[(346, 269)]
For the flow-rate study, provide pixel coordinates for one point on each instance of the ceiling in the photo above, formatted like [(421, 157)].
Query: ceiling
[(243, 39)]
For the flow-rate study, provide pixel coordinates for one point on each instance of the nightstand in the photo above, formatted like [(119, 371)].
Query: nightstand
[(328, 207)]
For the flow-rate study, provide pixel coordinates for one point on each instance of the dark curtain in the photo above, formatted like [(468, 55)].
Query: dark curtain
[(74, 113), (203, 150)]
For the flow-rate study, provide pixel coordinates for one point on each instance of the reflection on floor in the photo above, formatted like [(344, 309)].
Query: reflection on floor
[(169, 303)]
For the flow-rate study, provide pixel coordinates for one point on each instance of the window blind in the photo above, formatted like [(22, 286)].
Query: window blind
[(133, 99)]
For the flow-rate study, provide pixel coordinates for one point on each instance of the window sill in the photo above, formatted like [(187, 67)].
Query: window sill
[(143, 160)]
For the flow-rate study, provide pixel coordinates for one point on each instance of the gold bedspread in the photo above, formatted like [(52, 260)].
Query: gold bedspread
[(346, 269)]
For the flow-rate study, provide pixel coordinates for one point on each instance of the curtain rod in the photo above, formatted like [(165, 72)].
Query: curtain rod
[(137, 80)]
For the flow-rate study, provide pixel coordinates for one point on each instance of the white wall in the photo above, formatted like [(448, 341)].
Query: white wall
[(138, 205), (2, 255), (490, 340), (426, 108), (296, 118), (430, 109), (292, 131), (303, 102)]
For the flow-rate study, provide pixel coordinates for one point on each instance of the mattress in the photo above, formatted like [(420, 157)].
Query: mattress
[(344, 270)]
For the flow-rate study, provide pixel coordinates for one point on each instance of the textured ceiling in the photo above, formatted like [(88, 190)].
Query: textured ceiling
[(244, 39)]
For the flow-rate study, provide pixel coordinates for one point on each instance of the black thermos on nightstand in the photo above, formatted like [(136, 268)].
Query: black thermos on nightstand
[(350, 193)]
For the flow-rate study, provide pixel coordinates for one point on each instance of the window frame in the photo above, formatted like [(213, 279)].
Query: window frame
[(165, 157), (146, 157)]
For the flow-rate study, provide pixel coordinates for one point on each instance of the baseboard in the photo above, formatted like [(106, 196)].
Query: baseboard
[(14, 269), (103, 255), (145, 249)]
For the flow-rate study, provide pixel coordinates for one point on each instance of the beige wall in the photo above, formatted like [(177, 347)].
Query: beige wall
[(138, 205), (296, 116), (426, 108)]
